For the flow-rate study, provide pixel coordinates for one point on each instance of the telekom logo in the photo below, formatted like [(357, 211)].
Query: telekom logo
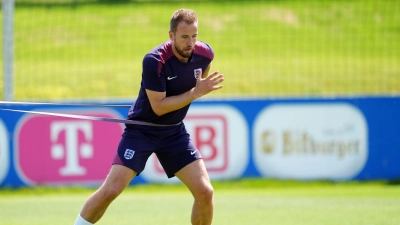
[(72, 150), (54, 150)]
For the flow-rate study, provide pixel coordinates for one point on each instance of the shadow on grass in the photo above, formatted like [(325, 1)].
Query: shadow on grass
[(393, 182)]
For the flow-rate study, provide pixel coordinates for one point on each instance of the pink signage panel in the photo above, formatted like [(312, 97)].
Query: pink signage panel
[(56, 150)]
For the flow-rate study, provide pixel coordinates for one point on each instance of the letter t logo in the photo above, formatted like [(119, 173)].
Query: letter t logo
[(72, 150)]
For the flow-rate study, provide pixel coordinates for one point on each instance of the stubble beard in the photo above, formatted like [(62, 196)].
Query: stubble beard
[(182, 53)]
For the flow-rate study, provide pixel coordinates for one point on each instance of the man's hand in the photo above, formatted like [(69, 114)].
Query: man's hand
[(208, 84)]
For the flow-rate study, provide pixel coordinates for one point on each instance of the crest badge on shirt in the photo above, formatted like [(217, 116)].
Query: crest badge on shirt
[(197, 72), (129, 154)]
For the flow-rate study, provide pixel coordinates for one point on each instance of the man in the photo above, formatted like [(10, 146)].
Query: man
[(172, 78)]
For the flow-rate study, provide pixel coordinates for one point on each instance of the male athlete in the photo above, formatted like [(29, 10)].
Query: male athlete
[(174, 74)]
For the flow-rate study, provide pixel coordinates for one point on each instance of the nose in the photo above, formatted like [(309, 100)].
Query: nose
[(190, 41)]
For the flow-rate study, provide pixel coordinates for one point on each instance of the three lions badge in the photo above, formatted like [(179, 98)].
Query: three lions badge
[(197, 72), (129, 153)]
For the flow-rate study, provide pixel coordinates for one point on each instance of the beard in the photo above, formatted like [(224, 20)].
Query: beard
[(183, 54)]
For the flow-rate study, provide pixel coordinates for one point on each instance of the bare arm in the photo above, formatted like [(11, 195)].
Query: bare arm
[(204, 85)]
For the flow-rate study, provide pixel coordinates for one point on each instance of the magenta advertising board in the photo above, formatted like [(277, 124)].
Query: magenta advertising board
[(56, 150)]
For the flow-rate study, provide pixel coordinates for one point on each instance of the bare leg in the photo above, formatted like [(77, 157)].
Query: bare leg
[(116, 181), (195, 177)]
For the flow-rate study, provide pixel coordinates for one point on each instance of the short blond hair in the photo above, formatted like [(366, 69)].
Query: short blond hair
[(187, 15)]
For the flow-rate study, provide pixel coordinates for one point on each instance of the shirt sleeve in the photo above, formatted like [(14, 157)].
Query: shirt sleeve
[(152, 75), (205, 50)]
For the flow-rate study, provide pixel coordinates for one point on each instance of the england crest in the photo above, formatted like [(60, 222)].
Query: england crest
[(129, 154), (197, 72)]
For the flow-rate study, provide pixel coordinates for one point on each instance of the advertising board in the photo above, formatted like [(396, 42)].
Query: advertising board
[(295, 138)]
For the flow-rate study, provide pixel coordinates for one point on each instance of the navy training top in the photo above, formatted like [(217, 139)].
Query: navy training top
[(163, 72)]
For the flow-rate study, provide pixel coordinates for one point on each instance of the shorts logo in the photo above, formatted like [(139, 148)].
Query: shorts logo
[(197, 72), (129, 154)]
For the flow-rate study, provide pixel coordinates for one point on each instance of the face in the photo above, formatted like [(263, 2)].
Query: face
[(184, 40)]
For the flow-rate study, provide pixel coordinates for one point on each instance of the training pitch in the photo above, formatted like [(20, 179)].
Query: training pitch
[(250, 202)]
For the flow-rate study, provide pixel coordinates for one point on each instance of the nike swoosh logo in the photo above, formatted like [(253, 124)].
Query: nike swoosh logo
[(192, 153), (170, 78)]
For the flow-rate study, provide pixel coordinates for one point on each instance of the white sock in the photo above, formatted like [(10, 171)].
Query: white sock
[(81, 221)]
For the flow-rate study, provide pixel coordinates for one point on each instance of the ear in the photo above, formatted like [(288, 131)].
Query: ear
[(171, 35)]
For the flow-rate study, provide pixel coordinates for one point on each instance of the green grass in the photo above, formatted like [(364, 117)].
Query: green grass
[(93, 49), (250, 201)]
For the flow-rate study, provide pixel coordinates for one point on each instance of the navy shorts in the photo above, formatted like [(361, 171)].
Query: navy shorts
[(171, 144)]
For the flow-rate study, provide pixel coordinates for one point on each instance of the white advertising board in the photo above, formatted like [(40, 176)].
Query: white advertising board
[(310, 141), (4, 152), (220, 133)]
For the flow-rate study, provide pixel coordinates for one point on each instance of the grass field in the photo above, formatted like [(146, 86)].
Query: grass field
[(253, 202), (77, 49)]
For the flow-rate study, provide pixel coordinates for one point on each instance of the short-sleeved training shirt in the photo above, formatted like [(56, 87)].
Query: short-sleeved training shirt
[(163, 72)]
